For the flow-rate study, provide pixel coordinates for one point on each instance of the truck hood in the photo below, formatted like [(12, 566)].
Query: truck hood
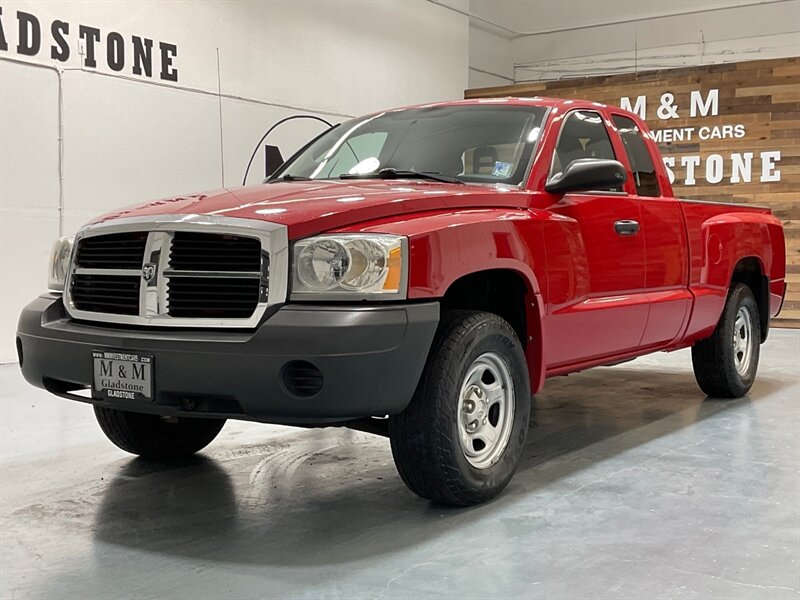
[(310, 207)]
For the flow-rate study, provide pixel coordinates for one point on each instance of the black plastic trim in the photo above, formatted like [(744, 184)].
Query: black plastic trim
[(371, 358)]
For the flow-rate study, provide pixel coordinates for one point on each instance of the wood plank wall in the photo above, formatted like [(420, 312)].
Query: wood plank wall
[(761, 97)]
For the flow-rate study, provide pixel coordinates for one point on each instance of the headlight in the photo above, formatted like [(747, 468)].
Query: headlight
[(350, 267), (59, 264)]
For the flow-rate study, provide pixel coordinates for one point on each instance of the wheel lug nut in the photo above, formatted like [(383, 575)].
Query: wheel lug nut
[(469, 406), (472, 425)]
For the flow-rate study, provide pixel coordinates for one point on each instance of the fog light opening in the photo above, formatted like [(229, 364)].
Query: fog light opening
[(301, 378)]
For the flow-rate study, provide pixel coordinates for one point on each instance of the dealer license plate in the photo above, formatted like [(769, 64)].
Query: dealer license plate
[(122, 375)]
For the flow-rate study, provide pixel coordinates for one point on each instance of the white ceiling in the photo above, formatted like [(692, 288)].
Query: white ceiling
[(538, 16)]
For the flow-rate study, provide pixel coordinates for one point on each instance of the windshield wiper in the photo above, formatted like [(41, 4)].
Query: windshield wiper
[(289, 177), (390, 173)]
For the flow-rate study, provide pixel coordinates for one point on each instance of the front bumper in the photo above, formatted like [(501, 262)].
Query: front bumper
[(370, 358)]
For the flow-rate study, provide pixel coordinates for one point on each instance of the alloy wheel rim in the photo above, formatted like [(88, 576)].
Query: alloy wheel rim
[(743, 340), (485, 410)]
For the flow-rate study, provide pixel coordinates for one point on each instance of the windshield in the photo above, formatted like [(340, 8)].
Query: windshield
[(470, 143)]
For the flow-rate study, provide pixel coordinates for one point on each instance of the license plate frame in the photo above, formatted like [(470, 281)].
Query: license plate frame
[(123, 375)]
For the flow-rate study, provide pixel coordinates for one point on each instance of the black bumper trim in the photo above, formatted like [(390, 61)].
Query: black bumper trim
[(370, 357)]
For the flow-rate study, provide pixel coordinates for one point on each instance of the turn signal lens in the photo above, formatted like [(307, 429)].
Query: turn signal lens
[(395, 268)]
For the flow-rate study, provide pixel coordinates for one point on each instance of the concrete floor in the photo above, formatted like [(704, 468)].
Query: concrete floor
[(632, 486)]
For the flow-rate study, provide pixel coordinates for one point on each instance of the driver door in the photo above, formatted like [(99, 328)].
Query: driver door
[(595, 258)]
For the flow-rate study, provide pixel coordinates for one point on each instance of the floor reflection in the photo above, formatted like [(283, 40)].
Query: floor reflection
[(329, 496)]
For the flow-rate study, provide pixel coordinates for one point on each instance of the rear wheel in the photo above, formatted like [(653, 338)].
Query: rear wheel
[(461, 438), (725, 364), (154, 437)]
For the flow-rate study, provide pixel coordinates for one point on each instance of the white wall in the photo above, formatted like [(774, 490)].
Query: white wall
[(128, 139), (491, 60), (754, 32), (554, 39)]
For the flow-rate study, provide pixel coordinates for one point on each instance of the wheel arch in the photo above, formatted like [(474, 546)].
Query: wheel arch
[(750, 271), (741, 247), (449, 249), (511, 294)]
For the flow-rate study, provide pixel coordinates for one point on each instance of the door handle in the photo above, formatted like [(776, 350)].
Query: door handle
[(626, 227)]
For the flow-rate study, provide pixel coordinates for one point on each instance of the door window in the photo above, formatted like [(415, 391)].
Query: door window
[(583, 135), (644, 171)]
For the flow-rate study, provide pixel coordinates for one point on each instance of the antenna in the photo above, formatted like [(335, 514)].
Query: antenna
[(221, 142), (270, 130)]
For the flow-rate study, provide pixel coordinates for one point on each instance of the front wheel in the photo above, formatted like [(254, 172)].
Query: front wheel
[(461, 438), (154, 437), (725, 364)]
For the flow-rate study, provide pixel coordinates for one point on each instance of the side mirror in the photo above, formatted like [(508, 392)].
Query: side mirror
[(587, 174), (273, 159)]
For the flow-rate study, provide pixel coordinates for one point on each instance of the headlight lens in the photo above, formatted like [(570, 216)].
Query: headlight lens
[(59, 263), (349, 266)]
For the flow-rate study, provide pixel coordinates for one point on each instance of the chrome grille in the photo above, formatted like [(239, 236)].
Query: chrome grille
[(115, 251), (214, 275), (106, 293), (214, 252), (214, 297), (178, 270)]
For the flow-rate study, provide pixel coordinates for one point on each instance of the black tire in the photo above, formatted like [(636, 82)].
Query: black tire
[(155, 438), (717, 361), (425, 437)]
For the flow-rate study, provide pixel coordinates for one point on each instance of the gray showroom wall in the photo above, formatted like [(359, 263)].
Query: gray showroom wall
[(128, 137)]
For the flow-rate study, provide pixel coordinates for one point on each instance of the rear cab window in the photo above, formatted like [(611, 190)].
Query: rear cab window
[(642, 166)]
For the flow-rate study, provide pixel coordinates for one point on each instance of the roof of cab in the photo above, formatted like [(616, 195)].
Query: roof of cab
[(511, 100)]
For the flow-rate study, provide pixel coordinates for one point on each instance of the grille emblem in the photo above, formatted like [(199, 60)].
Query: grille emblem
[(148, 271)]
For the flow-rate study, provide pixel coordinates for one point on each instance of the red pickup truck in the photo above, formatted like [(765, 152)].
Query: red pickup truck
[(417, 272)]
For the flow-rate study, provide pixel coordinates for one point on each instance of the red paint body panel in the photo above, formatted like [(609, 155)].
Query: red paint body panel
[(310, 207), (667, 256), (593, 297), (447, 245), (720, 237), (612, 284)]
